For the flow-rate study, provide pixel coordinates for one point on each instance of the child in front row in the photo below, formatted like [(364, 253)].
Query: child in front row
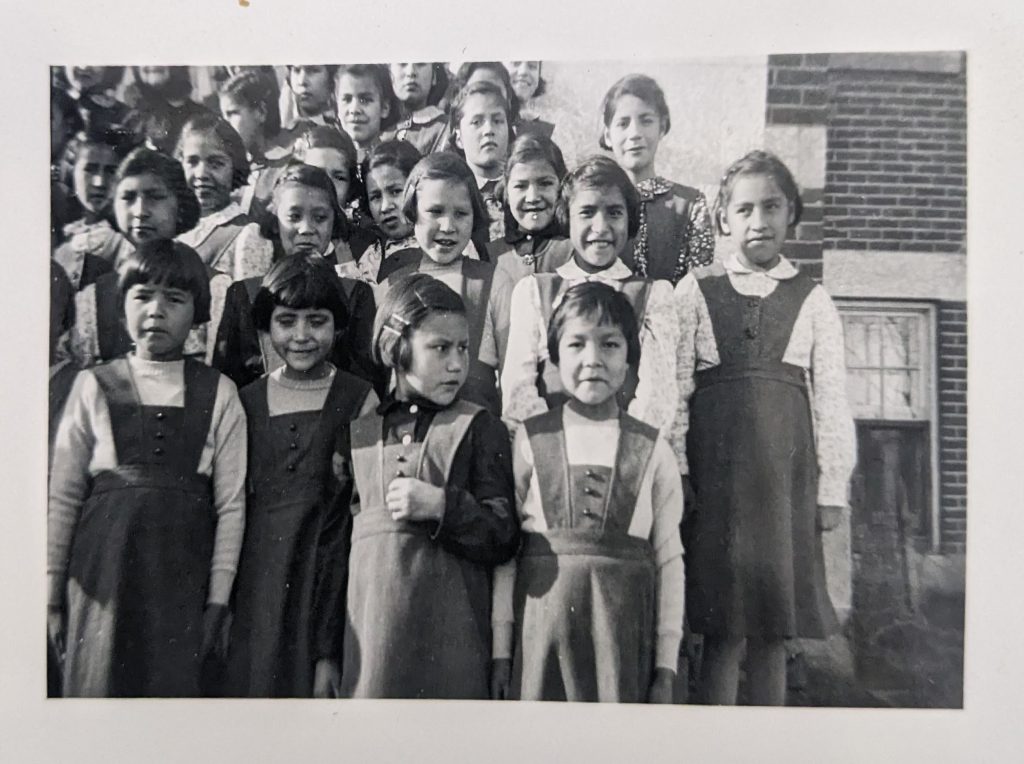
[(297, 414), (599, 206), (433, 513), (147, 503), (770, 439), (442, 202), (595, 598)]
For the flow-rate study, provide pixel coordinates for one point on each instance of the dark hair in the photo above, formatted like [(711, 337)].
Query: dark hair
[(331, 69), (299, 174), (456, 113), (256, 89), (438, 84), (110, 79), (178, 85), (208, 122), (758, 163), (143, 161), (401, 155), (531, 147), (465, 73), (382, 79), (329, 137), (599, 172), (641, 86), (300, 282), (172, 264), (407, 304), (118, 139), (602, 303), (443, 165)]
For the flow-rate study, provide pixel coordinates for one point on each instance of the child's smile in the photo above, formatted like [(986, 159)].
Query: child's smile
[(444, 219), (598, 224), (303, 337), (208, 170), (532, 191)]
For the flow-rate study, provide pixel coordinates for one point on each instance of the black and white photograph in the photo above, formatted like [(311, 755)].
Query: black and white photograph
[(517, 388)]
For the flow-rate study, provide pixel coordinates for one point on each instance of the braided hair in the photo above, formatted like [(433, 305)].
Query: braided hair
[(758, 163)]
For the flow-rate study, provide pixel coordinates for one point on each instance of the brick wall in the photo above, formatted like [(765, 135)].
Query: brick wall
[(897, 161), (952, 425)]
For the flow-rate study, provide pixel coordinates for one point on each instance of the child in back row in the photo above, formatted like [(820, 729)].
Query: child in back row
[(146, 508), (248, 102), (528, 84), (366, 104), (599, 206), (770, 439), (419, 88), (298, 415), (410, 568), (595, 597)]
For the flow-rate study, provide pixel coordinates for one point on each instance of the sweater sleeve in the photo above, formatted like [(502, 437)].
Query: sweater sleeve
[(688, 296), (502, 614), (69, 478), (655, 401), (667, 501), (520, 397), (835, 437), (229, 464)]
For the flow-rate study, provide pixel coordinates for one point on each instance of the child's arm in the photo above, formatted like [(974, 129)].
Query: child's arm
[(688, 303), (835, 437), (229, 466), (359, 336), (236, 352), (656, 398), (667, 505), (219, 285), (520, 397), (498, 308)]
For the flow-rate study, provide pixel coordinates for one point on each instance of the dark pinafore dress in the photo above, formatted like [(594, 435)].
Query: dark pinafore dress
[(550, 287), (754, 562), (417, 617), (585, 599), (290, 484), (140, 559)]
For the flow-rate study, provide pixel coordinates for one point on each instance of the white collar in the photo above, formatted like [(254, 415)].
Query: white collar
[(617, 271), (784, 269), (221, 216), (425, 115)]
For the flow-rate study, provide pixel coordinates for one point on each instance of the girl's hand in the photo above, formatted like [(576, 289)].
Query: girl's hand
[(216, 623), (661, 686), (412, 499), (829, 517), (326, 679), (501, 678), (56, 630)]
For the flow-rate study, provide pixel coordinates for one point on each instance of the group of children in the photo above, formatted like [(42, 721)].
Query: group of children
[(357, 391)]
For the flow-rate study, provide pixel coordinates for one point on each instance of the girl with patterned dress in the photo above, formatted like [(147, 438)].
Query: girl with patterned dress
[(146, 508), (770, 439), (410, 568), (592, 608), (674, 234), (297, 415)]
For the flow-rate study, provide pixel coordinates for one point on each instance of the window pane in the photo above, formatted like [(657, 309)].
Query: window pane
[(900, 341), (865, 392), (902, 395), (855, 331)]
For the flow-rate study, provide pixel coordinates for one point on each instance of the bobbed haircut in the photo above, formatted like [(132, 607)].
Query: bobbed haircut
[(640, 86), (601, 303), (143, 161), (406, 305), (329, 137), (758, 163), (209, 123), (531, 147), (444, 165), (401, 155), (300, 282), (599, 172), (381, 77), (299, 174), (165, 262), (465, 73), (457, 112), (255, 89), (118, 139)]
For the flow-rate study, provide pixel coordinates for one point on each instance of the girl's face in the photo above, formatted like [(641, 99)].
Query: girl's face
[(145, 208), (634, 132), (305, 218), (532, 191), (158, 318), (525, 78), (598, 224), (412, 83), (93, 176), (246, 119), (84, 78), (208, 170), (385, 186), (440, 358), (483, 133), (486, 74), (155, 76), (757, 218), (591, 360), (312, 88), (360, 108), (444, 219), (336, 165), (303, 337)]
